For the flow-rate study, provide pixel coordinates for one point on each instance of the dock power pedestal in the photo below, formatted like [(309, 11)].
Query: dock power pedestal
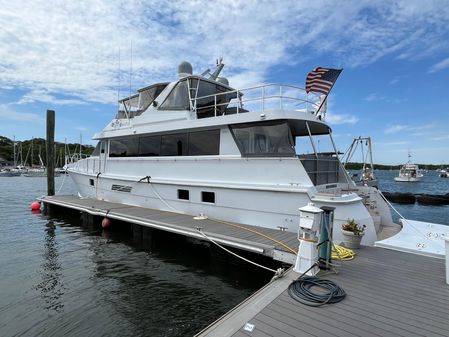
[(309, 225)]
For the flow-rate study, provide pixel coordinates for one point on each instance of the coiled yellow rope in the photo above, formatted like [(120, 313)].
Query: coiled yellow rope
[(341, 253)]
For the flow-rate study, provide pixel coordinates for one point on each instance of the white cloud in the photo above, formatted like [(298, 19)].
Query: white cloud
[(393, 81), (341, 119), (72, 49), (395, 128), (374, 97), (409, 128), (42, 95), (439, 66), (445, 137), (8, 113), (402, 142)]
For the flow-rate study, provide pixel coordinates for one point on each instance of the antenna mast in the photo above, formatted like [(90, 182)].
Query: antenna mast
[(118, 89), (131, 71)]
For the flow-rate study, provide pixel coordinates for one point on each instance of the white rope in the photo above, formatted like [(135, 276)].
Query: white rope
[(159, 196), (62, 184), (236, 255), (412, 226)]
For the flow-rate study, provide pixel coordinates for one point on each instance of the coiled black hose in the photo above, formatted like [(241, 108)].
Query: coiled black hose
[(326, 291)]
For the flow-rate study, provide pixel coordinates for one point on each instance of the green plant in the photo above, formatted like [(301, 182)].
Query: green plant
[(354, 227)]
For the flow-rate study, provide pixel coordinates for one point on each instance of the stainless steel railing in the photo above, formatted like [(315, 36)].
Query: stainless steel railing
[(258, 98)]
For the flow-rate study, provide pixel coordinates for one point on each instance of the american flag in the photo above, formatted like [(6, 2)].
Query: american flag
[(322, 79)]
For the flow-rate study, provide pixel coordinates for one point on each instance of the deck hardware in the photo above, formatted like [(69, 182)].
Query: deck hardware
[(249, 327)]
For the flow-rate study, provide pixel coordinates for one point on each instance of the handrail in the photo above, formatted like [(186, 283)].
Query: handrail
[(284, 94)]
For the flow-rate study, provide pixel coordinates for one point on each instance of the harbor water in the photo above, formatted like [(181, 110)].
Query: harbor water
[(61, 279), (430, 183)]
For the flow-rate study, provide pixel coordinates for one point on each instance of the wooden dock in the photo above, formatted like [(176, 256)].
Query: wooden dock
[(389, 293), (239, 236)]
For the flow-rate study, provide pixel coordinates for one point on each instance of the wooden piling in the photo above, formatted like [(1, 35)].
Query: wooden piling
[(50, 152)]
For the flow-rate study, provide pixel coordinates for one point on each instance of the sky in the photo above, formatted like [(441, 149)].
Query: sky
[(78, 57)]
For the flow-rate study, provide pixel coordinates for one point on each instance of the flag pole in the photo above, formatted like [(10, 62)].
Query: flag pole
[(325, 98)]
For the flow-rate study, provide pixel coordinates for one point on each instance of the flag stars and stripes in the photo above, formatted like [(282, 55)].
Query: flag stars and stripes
[(322, 79)]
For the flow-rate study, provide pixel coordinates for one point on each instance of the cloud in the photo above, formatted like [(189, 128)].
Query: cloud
[(445, 137), (393, 81), (341, 119), (7, 113), (395, 128), (78, 58), (439, 66), (393, 143), (374, 97), (409, 128), (42, 95)]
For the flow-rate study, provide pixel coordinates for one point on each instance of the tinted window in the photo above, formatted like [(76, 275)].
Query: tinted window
[(178, 99), (267, 139), (183, 194), (150, 146), (174, 145), (204, 143), (208, 197), (123, 147)]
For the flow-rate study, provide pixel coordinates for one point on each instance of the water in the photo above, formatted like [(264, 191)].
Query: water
[(59, 279), (431, 183)]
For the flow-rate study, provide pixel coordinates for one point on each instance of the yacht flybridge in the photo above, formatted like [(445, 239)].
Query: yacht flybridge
[(252, 156)]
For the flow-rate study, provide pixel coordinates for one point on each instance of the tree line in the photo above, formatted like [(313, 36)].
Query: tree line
[(359, 166), (30, 152)]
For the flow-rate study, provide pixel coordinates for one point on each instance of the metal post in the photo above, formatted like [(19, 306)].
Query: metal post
[(280, 97), (50, 152), (263, 98), (326, 229)]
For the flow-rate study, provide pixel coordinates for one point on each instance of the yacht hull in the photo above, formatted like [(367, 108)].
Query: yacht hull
[(256, 206)]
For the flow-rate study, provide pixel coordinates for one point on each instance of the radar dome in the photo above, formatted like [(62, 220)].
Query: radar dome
[(184, 69), (223, 80)]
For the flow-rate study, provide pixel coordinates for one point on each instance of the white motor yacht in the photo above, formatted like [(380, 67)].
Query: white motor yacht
[(409, 172), (252, 156)]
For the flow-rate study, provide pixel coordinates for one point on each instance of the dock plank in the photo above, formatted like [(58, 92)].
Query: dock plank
[(389, 293)]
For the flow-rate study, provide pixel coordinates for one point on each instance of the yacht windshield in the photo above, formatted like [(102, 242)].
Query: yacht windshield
[(271, 139)]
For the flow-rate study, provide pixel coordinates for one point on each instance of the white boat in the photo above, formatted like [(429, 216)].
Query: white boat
[(252, 156), (9, 173), (409, 172)]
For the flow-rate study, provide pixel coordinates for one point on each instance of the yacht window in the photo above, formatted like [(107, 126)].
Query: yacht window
[(150, 146), (208, 197), (96, 152), (125, 147), (264, 139), (174, 145), (183, 194), (148, 95), (203, 143), (178, 99)]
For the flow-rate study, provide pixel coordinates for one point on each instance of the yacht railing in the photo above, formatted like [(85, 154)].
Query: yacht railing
[(258, 98)]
